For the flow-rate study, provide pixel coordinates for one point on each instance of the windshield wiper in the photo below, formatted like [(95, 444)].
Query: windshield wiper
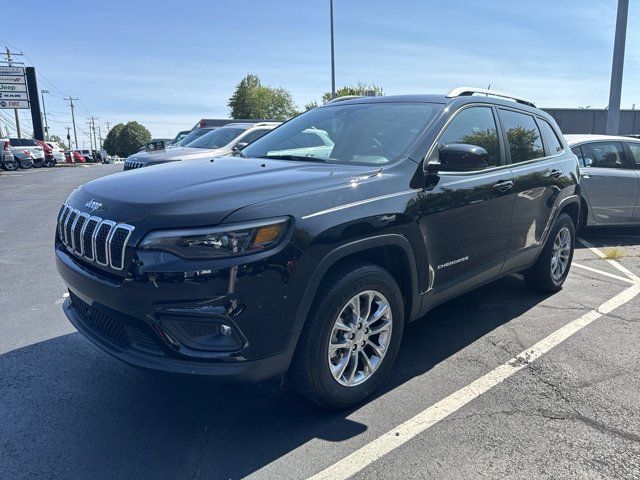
[(301, 158)]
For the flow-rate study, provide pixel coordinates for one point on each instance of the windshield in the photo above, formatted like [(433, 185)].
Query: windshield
[(218, 138), (197, 133), (365, 133)]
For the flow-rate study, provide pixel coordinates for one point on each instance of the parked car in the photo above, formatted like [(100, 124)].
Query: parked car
[(49, 159), (7, 160), (220, 141), (27, 152), (74, 157), (207, 124), (88, 155), (58, 152), (271, 264), (180, 136), (610, 178)]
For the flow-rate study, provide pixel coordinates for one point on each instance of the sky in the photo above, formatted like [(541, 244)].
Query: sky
[(168, 64)]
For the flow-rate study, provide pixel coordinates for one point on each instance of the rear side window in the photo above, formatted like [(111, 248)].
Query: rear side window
[(523, 136), (474, 126), (578, 153), (635, 151), (551, 140), (605, 155)]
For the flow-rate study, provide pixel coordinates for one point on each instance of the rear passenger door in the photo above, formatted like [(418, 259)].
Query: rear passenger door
[(536, 173), (634, 150), (609, 182)]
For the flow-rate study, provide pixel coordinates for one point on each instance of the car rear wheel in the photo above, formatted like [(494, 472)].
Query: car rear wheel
[(38, 163), (351, 338), (552, 267), (25, 166), (50, 163)]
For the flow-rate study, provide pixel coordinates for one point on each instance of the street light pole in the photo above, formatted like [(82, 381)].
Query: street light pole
[(613, 114), (333, 63), (44, 110)]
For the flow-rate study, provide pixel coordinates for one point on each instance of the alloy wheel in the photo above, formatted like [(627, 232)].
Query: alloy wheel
[(360, 338), (561, 253)]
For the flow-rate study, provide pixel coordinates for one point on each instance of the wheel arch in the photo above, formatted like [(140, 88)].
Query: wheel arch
[(390, 251)]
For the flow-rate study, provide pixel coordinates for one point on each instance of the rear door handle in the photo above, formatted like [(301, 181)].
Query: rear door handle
[(555, 173), (503, 185)]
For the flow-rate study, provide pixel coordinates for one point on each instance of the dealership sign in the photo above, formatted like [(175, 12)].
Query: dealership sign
[(13, 88)]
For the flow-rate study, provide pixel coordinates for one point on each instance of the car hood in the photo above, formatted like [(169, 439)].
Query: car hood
[(172, 155), (204, 192)]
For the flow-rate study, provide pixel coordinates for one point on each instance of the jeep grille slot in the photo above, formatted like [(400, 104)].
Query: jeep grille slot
[(93, 238)]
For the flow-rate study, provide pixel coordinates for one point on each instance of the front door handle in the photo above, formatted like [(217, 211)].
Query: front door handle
[(503, 185), (555, 173)]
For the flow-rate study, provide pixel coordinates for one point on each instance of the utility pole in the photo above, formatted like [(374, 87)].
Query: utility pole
[(100, 135), (93, 124), (613, 115), (90, 141), (68, 138), (73, 119), (15, 110), (44, 110), (333, 63)]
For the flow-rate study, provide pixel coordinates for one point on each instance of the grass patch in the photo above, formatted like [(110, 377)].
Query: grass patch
[(613, 253)]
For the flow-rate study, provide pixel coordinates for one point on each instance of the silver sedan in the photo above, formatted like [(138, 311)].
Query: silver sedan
[(610, 168)]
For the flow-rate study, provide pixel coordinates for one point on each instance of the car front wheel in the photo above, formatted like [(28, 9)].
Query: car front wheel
[(351, 338)]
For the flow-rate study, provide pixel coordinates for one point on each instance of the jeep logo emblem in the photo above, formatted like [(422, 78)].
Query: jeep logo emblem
[(93, 205)]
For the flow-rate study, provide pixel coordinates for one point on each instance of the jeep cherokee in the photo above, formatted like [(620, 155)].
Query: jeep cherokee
[(291, 259)]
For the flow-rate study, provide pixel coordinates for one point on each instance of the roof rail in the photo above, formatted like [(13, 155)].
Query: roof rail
[(467, 91), (343, 98)]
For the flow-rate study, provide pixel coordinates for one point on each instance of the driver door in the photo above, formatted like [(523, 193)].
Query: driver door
[(466, 216)]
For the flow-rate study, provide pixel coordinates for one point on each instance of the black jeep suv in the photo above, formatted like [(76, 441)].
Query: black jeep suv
[(307, 252)]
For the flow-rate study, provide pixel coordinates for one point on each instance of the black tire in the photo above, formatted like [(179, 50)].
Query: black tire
[(10, 166), (310, 373), (26, 166), (540, 276), (49, 163), (38, 164)]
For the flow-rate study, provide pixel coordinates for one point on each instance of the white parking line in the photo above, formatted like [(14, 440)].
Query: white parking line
[(404, 432), (613, 263), (602, 272)]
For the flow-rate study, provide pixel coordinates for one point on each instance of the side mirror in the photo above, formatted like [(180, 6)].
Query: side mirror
[(462, 157), (239, 146)]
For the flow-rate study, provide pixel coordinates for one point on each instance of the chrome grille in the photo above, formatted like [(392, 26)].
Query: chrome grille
[(133, 165), (93, 238)]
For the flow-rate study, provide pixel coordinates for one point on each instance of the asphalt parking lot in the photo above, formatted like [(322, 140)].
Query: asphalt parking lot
[(457, 406)]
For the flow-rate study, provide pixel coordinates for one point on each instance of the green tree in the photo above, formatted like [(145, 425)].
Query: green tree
[(251, 99), (110, 143), (131, 139), (358, 89), (58, 140)]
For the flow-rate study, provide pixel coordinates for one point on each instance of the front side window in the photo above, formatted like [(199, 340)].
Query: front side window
[(554, 146), (635, 151), (523, 135), (364, 133), (578, 153), (219, 138), (474, 126), (604, 155)]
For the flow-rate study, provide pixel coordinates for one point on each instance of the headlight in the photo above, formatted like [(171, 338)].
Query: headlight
[(219, 242)]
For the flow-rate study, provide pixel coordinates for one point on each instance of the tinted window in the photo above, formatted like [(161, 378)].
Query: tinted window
[(523, 136), (365, 133), (635, 151), (253, 136), (218, 138), (604, 155), (578, 153), (553, 144), (474, 126)]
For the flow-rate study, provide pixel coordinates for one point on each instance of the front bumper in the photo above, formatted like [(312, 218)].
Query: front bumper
[(139, 319)]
